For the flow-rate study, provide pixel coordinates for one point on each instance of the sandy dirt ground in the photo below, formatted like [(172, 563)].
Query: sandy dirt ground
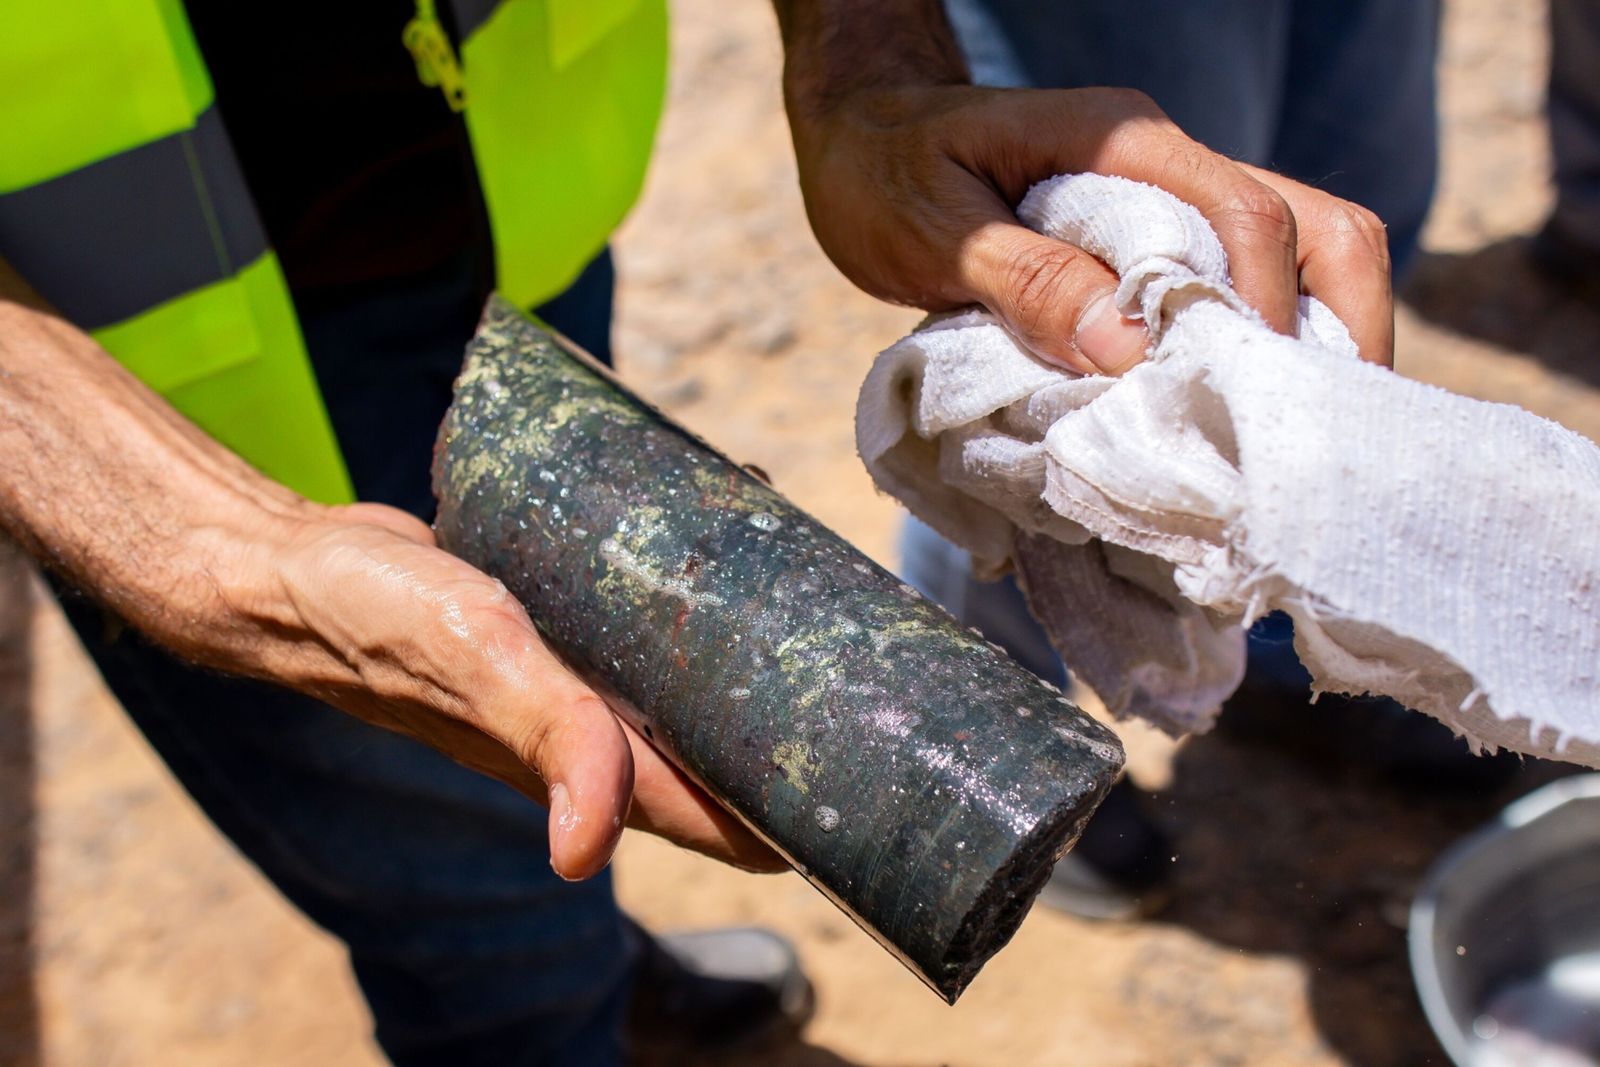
[(132, 934)]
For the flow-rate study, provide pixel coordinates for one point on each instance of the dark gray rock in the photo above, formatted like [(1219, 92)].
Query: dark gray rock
[(921, 779)]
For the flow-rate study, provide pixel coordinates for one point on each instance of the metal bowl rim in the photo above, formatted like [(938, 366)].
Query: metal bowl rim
[(1517, 816)]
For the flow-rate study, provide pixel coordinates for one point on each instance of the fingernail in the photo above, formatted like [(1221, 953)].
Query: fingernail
[(563, 819), (1106, 339)]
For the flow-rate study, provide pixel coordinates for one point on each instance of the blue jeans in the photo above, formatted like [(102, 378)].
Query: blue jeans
[(468, 947), (1574, 102), (1338, 94)]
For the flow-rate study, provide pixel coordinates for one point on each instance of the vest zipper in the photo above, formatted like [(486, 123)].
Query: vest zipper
[(425, 38)]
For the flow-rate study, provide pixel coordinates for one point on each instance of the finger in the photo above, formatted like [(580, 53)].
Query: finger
[(589, 765), (1255, 224), (1344, 262), (1259, 235), (1122, 132), (566, 734), (668, 804), (1057, 299)]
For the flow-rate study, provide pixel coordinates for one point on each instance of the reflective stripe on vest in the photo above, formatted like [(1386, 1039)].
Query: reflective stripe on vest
[(122, 202), (182, 195)]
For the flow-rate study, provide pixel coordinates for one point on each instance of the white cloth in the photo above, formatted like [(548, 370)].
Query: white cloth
[(1437, 549)]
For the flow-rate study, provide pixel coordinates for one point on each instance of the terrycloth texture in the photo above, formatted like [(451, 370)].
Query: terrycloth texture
[(1434, 548)]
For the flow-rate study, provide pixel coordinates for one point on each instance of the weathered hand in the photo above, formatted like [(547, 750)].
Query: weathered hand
[(910, 187), (359, 609)]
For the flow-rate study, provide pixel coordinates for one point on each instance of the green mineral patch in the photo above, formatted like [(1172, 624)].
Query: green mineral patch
[(793, 758), (902, 630), (487, 463), (808, 662), (535, 431), (718, 486), (563, 411)]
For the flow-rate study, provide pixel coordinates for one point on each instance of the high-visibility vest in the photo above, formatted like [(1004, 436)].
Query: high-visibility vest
[(122, 202)]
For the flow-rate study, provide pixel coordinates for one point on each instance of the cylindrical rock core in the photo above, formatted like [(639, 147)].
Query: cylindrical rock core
[(912, 772)]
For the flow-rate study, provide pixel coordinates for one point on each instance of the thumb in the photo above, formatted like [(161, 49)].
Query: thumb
[(1058, 300), (577, 747)]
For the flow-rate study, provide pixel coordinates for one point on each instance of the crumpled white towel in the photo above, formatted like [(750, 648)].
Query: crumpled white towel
[(1431, 547)]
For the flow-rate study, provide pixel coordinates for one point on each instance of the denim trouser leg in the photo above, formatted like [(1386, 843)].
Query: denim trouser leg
[(1575, 118), (1335, 93), (1360, 109), (468, 947)]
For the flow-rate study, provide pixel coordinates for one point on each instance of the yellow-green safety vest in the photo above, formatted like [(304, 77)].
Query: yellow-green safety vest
[(122, 203)]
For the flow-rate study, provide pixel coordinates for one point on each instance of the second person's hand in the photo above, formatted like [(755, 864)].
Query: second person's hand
[(910, 176)]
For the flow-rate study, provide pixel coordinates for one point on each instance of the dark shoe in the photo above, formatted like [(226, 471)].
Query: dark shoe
[(1120, 869), (716, 991), (1570, 263)]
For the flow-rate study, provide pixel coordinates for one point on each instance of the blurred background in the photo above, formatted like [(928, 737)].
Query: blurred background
[(131, 933)]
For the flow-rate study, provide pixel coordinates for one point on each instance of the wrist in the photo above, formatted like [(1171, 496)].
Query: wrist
[(113, 489), (836, 50)]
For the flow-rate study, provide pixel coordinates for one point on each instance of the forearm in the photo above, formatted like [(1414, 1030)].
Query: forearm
[(103, 481), (833, 48)]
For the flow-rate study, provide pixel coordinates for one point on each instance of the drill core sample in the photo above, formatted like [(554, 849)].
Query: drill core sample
[(914, 774)]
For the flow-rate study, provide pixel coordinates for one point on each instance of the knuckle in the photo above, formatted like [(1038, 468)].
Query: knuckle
[(1038, 288), (542, 727), (1129, 131), (1132, 102), (530, 739), (1138, 135), (1355, 230), (584, 704), (1263, 211), (1360, 219)]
